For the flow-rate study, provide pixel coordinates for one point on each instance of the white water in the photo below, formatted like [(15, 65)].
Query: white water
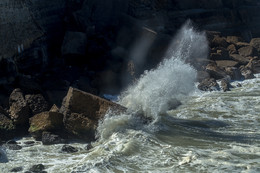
[(209, 132)]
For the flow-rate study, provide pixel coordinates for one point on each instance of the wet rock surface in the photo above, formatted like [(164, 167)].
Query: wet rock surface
[(68, 149)]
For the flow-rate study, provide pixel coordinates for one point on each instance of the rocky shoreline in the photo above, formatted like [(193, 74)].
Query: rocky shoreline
[(92, 55)]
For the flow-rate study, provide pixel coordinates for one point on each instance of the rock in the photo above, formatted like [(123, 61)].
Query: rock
[(242, 44), (50, 139), (13, 146), (254, 64), (7, 127), (37, 168), (17, 169), (81, 126), (234, 39), (201, 75), (247, 73), (74, 43), (219, 42), (215, 71), (227, 63), (220, 54), (19, 110), (68, 149), (54, 108), (247, 51), (82, 111), (255, 42), (225, 85), (29, 143), (232, 49), (88, 146), (234, 73), (209, 84), (37, 103), (239, 58), (45, 121)]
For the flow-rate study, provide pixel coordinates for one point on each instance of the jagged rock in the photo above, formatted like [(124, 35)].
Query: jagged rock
[(209, 84), (247, 51), (68, 149), (232, 49), (36, 103), (54, 108), (255, 42), (242, 60), (215, 71), (19, 110), (247, 73), (50, 139), (225, 85), (45, 121), (82, 111), (234, 73)]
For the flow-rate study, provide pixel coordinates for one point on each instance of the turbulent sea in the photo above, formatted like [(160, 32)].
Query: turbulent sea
[(188, 130)]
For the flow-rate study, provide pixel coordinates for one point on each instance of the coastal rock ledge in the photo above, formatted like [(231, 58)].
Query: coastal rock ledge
[(78, 116)]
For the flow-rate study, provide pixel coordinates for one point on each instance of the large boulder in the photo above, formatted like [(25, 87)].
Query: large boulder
[(45, 121), (82, 111), (19, 109)]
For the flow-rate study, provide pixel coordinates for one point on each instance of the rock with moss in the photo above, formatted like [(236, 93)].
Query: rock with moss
[(45, 121)]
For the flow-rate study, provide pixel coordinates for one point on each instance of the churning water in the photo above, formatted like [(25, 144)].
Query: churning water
[(208, 132)]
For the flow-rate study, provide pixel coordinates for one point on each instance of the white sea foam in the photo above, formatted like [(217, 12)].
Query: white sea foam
[(162, 88)]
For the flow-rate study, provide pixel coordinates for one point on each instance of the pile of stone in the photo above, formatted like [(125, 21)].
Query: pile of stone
[(230, 58)]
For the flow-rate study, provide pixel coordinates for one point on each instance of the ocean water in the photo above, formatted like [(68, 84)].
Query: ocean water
[(188, 130)]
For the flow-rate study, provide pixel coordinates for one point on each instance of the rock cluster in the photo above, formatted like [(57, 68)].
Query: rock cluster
[(231, 58)]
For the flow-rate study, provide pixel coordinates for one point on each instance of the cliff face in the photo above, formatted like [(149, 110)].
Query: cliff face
[(240, 17), (31, 30), (24, 21)]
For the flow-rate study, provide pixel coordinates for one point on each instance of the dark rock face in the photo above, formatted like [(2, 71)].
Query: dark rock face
[(36, 103), (17, 169), (19, 110)]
